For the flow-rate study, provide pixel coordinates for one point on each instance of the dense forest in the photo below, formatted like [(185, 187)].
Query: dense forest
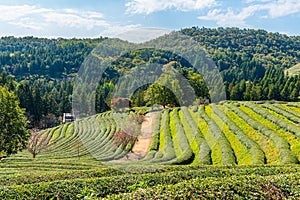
[(40, 71), (251, 62)]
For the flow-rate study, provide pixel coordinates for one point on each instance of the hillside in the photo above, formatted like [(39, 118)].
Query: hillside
[(251, 63), (244, 49), (41, 57), (221, 150), (239, 133)]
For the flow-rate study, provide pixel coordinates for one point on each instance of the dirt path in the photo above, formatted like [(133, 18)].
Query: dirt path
[(143, 142)]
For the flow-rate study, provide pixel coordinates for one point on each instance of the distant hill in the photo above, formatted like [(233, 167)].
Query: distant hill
[(245, 53), (239, 53)]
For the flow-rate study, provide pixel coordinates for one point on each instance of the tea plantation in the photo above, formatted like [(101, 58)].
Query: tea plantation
[(231, 150)]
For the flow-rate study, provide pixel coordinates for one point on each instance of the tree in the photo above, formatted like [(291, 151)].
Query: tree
[(158, 94), (38, 105), (273, 92), (13, 133), (37, 143), (294, 94), (235, 93)]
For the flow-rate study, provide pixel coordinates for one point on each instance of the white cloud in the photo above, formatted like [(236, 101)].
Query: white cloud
[(140, 35), (32, 17), (114, 30), (283, 8), (68, 22), (10, 13), (35, 18), (74, 20), (230, 17), (87, 14), (94, 15), (256, 1), (150, 6), (28, 23)]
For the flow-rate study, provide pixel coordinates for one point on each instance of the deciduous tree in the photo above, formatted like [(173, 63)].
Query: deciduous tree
[(13, 133)]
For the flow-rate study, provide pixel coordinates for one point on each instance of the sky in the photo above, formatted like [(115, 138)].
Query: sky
[(95, 18)]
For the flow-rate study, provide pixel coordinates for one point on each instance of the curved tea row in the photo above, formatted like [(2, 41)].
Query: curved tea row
[(231, 133)]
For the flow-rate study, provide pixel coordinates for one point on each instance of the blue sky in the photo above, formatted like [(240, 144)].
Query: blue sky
[(94, 18)]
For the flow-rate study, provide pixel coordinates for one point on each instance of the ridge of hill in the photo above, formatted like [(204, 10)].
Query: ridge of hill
[(229, 47)]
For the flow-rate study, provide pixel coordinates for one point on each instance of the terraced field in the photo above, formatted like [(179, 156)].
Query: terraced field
[(237, 133), (84, 138), (229, 151)]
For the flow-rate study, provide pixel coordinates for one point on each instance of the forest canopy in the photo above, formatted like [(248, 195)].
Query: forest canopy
[(251, 62)]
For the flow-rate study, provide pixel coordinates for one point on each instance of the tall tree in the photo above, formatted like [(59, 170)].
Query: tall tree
[(13, 134)]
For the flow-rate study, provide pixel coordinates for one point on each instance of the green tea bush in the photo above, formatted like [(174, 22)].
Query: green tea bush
[(285, 155), (256, 152), (228, 157)]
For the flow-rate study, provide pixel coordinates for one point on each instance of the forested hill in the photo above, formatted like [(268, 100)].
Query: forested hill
[(53, 58), (234, 50), (238, 45), (252, 63), (245, 53)]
